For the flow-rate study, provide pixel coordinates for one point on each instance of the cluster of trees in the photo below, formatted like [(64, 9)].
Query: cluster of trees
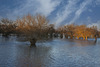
[(80, 31), (32, 28), (37, 27)]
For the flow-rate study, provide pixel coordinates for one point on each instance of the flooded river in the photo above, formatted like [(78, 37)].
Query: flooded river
[(51, 53)]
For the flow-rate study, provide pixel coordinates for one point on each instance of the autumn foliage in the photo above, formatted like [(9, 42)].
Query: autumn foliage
[(37, 27)]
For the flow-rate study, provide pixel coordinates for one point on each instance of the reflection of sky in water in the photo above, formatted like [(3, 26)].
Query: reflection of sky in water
[(51, 53)]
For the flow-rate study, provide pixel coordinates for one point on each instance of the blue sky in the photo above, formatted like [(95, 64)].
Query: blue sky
[(60, 12)]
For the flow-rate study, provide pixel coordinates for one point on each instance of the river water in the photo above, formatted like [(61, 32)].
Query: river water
[(51, 53)]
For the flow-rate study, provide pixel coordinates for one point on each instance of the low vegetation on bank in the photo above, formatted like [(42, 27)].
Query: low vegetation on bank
[(37, 27)]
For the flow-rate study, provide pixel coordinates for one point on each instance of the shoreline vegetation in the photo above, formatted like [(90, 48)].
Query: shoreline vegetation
[(34, 28)]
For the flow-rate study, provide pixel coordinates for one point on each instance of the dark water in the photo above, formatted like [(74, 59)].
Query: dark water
[(51, 53)]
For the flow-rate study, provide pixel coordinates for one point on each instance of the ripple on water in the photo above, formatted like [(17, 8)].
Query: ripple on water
[(53, 53)]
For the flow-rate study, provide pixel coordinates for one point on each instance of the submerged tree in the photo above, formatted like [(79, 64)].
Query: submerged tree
[(70, 30), (81, 31), (51, 30), (7, 27), (60, 31), (85, 32), (33, 28), (94, 32)]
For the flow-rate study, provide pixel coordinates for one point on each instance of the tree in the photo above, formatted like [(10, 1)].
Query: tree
[(85, 32), (80, 31), (70, 30), (7, 27), (94, 32), (51, 30), (60, 31), (33, 28)]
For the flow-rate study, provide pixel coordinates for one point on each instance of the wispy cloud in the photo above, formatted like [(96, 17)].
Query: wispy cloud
[(47, 6), (62, 11), (81, 9), (68, 9), (44, 7)]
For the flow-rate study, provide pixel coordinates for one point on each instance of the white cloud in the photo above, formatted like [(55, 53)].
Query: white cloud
[(44, 7), (81, 9), (47, 6), (68, 9)]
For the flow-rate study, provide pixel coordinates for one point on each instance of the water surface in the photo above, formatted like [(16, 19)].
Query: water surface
[(51, 53)]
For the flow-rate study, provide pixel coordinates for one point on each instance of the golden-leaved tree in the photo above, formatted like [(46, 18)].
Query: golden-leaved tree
[(82, 31), (33, 28)]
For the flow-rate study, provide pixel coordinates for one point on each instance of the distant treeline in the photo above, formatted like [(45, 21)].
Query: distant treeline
[(38, 27)]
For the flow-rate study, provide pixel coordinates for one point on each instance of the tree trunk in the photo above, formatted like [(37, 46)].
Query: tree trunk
[(71, 37), (95, 38), (66, 36), (86, 37), (55, 35), (61, 35), (83, 38), (51, 35), (77, 37), (33, 42)]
